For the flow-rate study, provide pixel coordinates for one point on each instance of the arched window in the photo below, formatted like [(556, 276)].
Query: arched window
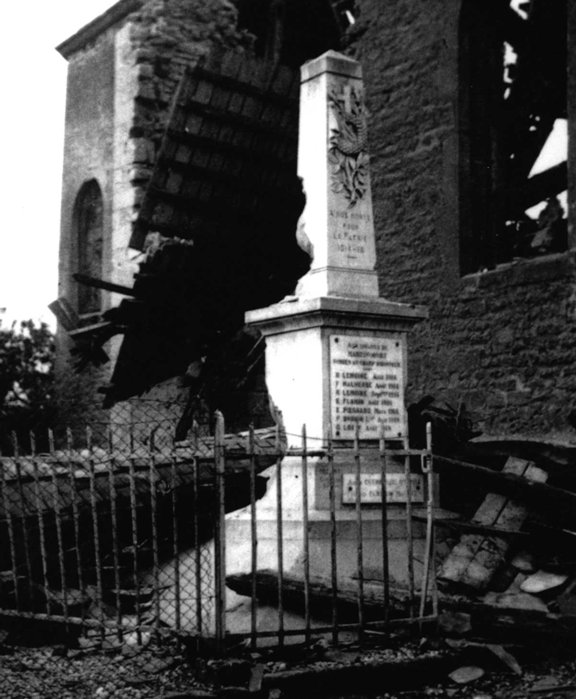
[(88, 224), (512, 74)]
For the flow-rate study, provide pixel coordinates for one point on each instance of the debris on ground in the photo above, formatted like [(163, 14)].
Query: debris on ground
[(61, 673), (506, 527), (426, 668)]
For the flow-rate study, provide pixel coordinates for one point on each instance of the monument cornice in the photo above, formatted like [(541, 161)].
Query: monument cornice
[(335, 312), (334, 63)]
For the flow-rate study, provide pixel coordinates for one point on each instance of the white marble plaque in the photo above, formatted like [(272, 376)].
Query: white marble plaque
[(366, 386), (371, 488)]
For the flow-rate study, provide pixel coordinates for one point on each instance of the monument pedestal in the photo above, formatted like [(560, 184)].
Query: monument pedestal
[(333, 364), (319, 525), (336, 363)]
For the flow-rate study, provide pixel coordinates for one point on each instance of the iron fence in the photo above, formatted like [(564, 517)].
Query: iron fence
[(330, 550), (227, 537)]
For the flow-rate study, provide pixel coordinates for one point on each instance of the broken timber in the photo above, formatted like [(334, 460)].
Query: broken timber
[(364, 677), (555, 502), (510, 624), (476, 558), (321, 595)]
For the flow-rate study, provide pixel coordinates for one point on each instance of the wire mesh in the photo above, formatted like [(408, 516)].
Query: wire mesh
[(112, 539), (129, 536)]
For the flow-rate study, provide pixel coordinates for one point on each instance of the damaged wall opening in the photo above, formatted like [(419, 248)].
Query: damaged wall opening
[(293, 32), (513, 94)]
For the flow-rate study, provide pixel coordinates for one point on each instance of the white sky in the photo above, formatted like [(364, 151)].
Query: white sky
[(33, 79)]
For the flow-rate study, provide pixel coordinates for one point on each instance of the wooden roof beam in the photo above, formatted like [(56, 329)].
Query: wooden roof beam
[(96, 283)]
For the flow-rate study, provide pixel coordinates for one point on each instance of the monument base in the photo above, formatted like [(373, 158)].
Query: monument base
[(347, 533)]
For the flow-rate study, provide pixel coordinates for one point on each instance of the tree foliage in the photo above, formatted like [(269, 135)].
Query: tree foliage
[(26, 380)]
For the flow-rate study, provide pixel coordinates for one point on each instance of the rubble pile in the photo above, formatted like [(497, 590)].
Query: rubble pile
[(506, 529)]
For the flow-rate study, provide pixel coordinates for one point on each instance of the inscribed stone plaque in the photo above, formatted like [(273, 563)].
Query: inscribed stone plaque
[(371, 488), (366, 386), (349, 232)]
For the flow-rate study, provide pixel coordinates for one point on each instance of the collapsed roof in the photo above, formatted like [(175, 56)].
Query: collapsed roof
[(217, 222)]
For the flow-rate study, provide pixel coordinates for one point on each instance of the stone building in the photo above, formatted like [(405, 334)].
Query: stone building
[(462, 98)]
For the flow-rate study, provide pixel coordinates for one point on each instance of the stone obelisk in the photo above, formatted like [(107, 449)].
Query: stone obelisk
[(334, 165), (336, 351)]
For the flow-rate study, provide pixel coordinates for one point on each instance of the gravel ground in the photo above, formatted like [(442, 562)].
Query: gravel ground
[(543, 678), (160, 671), (43, 673)]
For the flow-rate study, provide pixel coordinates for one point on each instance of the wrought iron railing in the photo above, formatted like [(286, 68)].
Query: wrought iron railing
[(147, 540)]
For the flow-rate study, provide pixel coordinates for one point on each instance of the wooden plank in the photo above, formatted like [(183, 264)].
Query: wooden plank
[(555, 502), (188, 173), (361, 678), (245, 123), (244, 87), (102, 284), (90, 329), (476, 558), (510, 624), (65, 314), (263, 157), (321, 595), (471, 527)]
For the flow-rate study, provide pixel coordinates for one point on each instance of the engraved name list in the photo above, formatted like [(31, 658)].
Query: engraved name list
[(366, 386)]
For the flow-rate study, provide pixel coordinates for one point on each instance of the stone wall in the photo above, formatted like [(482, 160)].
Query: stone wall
[(88, 154), (502, 341), (120, 84)]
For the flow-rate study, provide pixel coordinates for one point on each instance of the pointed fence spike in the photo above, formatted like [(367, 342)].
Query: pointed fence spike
[(69, 439), (32, 438), (15, 445)]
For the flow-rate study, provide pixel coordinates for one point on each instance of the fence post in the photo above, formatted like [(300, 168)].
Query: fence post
[(197, 551), (359, 532), (253, 541), (154, 524), (220, 532), (11, 539), (409, 529), (333, 534), (279, 536), (384, 512), (40, 520), (429, 559), (306, 534), (24, 519)]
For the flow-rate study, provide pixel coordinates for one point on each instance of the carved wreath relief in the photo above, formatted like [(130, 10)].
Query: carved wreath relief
[(347, 153)]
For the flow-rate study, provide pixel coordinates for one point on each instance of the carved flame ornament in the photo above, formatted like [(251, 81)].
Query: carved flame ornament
[(347, 153)]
